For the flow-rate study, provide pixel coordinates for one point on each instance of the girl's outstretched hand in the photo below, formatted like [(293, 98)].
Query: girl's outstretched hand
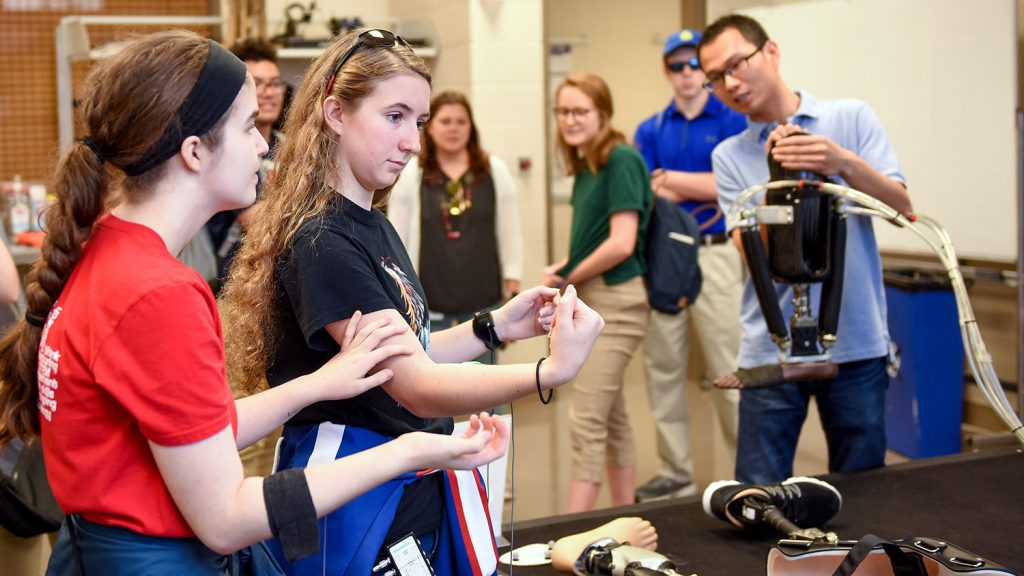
[(519, 318), (484, 440), (574, 329), (345, 375)]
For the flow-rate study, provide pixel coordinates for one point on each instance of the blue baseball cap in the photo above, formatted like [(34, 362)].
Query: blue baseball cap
[(685, 37)]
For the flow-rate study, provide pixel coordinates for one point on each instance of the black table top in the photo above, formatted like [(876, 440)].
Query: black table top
[(972, 500)]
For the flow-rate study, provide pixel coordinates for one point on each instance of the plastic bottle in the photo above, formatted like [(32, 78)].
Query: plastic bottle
[(21, 215), (36, 203)]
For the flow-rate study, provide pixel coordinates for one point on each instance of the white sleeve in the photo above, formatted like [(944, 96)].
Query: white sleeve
[(404, 207), (506, 215)]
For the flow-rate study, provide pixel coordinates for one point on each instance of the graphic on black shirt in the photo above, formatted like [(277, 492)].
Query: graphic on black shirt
[(414, 307)]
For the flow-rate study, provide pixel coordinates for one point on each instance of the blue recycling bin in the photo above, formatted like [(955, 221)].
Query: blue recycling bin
[(924, 403)]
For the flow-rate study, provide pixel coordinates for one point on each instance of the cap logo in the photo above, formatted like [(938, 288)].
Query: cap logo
[(686, 36)]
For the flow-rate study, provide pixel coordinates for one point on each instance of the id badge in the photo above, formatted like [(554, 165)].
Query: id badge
[(407, 558)]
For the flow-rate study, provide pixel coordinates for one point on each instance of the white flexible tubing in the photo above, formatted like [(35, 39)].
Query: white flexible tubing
[(979, 360)]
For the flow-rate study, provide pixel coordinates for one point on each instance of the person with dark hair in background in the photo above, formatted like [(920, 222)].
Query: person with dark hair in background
[(843, 140), (455, 209), (226, 228), (611, 207), (118, 365), (676, 143), (320, 251)]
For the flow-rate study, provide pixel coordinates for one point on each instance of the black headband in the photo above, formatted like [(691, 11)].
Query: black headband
[(101, 152), (214, 92)]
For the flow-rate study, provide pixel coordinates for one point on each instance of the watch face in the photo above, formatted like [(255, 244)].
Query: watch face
[(483, 327)]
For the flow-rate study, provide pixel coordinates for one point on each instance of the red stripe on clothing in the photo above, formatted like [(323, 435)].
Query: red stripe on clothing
[(453, 481)]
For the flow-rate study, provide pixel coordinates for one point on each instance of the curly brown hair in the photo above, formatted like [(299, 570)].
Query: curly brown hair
[(298, 194)]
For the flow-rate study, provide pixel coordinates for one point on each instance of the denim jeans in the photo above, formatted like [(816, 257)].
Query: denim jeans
[(113, 550), (852, 410)]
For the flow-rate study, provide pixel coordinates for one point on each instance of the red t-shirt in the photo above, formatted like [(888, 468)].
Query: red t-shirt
[(132, 352)]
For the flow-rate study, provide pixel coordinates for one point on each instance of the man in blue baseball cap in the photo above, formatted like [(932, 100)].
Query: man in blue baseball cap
[(677, 143)]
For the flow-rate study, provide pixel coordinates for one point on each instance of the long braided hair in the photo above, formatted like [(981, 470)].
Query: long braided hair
[(129, 100)]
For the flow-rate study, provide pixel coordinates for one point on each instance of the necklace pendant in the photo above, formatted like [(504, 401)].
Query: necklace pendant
[(455, 210), (454, 234)]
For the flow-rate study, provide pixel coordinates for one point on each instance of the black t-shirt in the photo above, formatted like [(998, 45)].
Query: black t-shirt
[(353, 260)]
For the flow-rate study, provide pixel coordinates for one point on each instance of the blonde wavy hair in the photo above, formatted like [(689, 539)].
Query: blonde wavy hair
[(306, 162)]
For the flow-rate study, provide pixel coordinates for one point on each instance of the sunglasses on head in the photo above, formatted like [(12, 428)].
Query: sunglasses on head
[(678, 66), (376, 38)]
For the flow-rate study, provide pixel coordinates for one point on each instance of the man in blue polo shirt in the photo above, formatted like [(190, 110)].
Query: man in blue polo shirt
[(677, 143), (842, 139)]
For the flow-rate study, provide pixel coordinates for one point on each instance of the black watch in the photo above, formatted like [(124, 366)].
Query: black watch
[(483, 327)]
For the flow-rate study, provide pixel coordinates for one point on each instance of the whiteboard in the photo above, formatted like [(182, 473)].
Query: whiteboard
[(942, 76)]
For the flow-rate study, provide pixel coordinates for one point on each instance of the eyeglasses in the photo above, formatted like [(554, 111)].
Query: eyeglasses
[(274, 85), (716, 78), (371, 39), (678, 66), (575, 113)]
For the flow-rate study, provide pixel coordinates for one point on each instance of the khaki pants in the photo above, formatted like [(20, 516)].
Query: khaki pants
[(716, 316), (599, 427)]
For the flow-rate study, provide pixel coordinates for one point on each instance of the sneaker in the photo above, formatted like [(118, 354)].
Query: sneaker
[(806, 502), (660, 487)]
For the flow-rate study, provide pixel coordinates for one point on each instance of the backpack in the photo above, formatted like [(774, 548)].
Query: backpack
[(27, 506), (673, 277)]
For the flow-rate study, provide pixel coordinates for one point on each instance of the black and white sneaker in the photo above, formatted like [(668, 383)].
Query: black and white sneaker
[(660, 488), (806, 502)]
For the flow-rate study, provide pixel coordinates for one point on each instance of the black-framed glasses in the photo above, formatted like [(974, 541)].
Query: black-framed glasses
[(574, 113), (716, 78), (376, 38), (678, 65)]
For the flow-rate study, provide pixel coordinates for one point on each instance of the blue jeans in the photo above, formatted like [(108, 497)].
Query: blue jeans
[(852, 410), (84, 548)]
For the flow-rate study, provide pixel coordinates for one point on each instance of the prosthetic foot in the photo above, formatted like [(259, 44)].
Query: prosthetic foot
[(788, 506), (633, 530), (775, 374)]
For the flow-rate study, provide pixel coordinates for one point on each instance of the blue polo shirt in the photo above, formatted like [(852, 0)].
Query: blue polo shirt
[(740, 162), (669, 141)]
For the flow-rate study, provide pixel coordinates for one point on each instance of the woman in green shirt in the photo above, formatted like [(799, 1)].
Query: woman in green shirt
[(611, 202)]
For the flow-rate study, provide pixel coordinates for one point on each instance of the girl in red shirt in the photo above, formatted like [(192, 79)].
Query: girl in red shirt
[(119, 362)]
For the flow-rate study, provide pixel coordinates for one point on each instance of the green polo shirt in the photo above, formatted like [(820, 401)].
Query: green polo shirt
[(623, 184)]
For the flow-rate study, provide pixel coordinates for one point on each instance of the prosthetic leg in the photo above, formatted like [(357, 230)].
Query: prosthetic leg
[(806, 244), (609, 558), (802, 216)]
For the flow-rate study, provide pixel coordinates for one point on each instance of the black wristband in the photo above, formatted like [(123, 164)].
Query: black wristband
[(540, 393), (291, 513), (483, 327)]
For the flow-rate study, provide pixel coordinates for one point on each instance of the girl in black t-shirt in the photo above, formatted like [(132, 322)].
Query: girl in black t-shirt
[(320, 251)]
